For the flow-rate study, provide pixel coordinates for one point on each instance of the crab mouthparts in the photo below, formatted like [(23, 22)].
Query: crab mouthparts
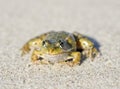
[(51, 50)]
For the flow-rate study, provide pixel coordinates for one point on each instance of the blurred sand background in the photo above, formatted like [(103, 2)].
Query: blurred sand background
[(21, 20)]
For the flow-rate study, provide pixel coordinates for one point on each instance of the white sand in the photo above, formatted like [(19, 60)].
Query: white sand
[(21, 20)]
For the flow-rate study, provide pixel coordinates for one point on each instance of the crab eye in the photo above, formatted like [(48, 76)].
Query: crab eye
[(45, 43), (61, 43)]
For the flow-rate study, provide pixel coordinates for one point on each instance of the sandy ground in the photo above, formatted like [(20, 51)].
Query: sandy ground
[(21, 20)]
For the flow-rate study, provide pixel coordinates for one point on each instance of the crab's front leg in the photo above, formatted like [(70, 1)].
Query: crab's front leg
[(89, 50), (37, 59), (76, 58), (33, 43)]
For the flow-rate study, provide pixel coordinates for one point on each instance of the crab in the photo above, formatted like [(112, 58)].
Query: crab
[(60, 47)]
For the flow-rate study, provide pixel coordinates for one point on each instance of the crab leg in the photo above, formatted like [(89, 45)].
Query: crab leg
[(89, 50), (33, 43), (28, 46), (35, 58), (76, 58)]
